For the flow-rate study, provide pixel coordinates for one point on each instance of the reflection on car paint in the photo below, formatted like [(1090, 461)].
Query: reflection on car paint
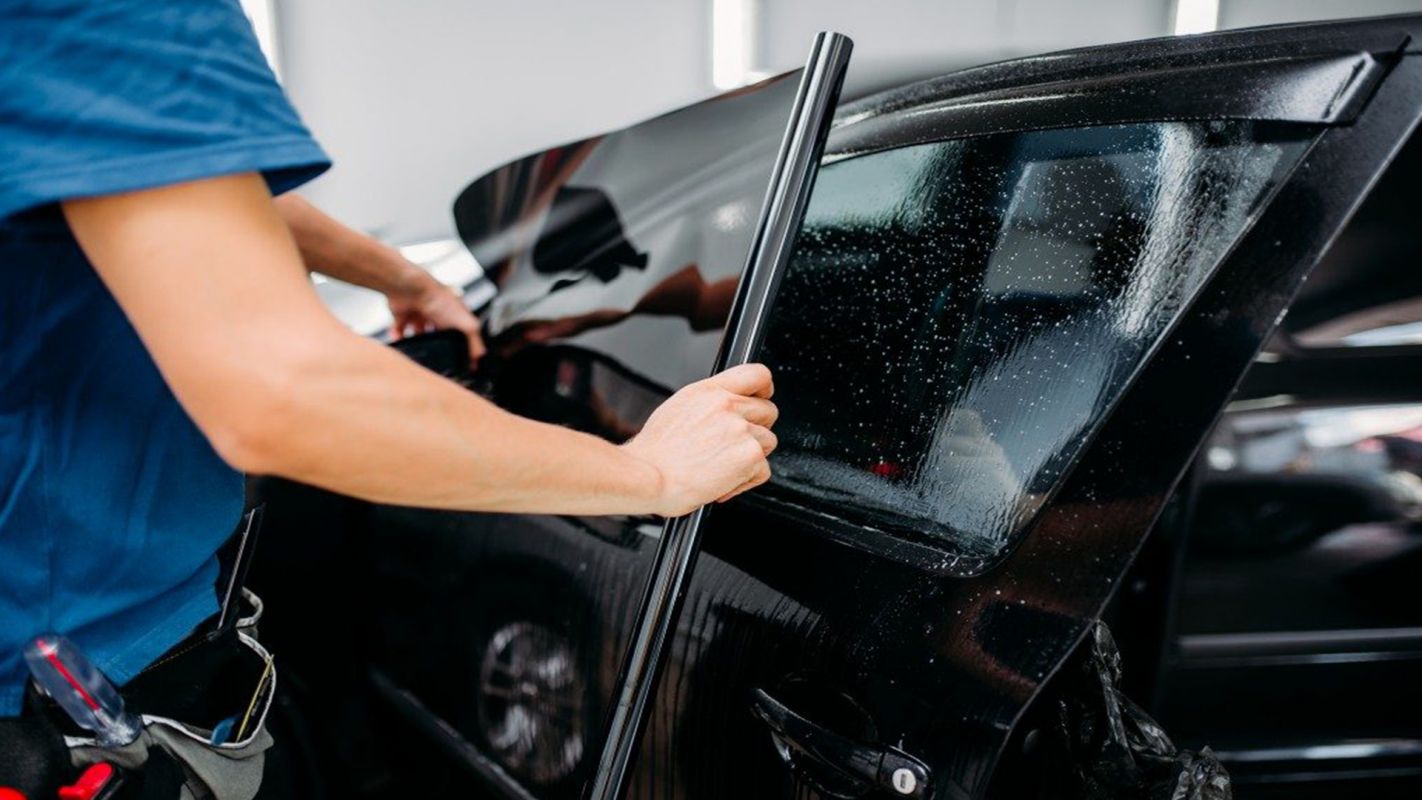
[(530, 702)]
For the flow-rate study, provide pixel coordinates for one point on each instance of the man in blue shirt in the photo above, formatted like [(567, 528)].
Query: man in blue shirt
[(159, 336)]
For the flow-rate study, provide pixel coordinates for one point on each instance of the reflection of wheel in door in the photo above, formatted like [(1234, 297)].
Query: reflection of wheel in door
[(531, 702), (526, 696)]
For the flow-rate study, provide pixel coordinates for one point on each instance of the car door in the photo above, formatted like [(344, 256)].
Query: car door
[(1020, 296), (1001, 341)]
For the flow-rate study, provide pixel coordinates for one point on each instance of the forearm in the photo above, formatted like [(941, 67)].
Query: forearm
[(362, 420), (280, 386), (331, 248)]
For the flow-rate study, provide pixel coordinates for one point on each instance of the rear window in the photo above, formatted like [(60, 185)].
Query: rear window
[(959, 316)]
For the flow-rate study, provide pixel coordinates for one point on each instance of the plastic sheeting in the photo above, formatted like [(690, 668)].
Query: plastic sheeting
[(1111, 748)]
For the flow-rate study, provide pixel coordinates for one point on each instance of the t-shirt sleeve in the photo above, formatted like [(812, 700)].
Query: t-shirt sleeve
[(105, 96)]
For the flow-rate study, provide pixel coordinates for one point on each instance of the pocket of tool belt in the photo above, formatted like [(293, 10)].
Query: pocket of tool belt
[(207, 680)]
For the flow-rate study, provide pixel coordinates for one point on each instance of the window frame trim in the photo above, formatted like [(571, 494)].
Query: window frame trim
[(1322, 75)]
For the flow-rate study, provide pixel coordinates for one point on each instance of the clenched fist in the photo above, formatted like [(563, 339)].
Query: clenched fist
[(709, 441)]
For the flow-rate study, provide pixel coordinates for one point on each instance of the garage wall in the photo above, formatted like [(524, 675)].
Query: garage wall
[(923, 38), (1246, 13), (414, 99)]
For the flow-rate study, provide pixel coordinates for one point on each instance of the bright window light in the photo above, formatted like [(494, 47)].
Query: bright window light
[(733, 43), (263, 18), (1196, 16)]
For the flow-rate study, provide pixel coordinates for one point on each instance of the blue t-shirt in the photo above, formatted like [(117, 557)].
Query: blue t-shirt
[(112, 503)]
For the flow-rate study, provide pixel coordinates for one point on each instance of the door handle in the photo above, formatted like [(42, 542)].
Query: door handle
[(870, 766)]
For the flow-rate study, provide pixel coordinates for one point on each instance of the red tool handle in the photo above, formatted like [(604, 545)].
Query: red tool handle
[(91, 785)]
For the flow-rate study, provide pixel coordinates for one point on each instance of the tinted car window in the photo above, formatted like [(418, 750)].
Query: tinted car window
[(958, 316)]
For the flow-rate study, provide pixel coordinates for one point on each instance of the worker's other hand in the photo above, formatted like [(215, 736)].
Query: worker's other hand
[(709, 441), (428, 305)]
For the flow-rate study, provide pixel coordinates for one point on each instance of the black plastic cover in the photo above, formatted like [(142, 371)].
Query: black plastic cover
[(1103, 746)]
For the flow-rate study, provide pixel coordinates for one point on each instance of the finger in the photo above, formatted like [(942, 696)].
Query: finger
[(758, 410), (751, 380), (765, 438), (477, 350), (397, 329), (762, 475)]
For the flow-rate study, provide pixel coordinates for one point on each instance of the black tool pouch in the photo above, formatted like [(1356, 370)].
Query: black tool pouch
[(225, 679), (220, 679)]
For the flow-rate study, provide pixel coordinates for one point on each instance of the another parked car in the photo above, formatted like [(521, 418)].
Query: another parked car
[(1045, 354)]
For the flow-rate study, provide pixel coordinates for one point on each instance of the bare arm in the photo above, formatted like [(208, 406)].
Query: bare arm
[(209, 276), (417, 301), (331, 248)]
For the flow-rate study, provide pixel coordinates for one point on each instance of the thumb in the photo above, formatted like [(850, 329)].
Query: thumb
[(751, 380)]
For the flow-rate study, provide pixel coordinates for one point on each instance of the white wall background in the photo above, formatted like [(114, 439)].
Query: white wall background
[(413, 99), (1247, 13)]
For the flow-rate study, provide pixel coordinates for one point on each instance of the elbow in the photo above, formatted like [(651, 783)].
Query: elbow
[(246, 447), (272, 415), (257, 433)]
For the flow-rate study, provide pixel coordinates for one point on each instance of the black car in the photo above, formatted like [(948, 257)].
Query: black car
[(1045, 356)]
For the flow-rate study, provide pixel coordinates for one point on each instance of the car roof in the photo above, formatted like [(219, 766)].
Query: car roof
[(1150, 62)]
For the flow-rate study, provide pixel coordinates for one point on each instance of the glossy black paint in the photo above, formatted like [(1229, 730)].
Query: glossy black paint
[(1234, 57), (786, 599), (1302, 568)]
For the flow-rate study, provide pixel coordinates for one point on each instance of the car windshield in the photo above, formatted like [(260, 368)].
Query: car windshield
[(959, 316)]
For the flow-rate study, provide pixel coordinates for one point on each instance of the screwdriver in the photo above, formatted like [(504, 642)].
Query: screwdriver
[(91, 700)]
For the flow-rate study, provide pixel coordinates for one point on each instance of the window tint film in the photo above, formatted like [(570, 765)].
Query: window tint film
[(615, 246), (958, 316)]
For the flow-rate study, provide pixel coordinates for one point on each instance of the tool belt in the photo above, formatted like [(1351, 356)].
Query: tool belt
[(203, 708), (185, 701)]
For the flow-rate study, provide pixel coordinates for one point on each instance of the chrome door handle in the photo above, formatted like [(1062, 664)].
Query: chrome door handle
[(873, 766)]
